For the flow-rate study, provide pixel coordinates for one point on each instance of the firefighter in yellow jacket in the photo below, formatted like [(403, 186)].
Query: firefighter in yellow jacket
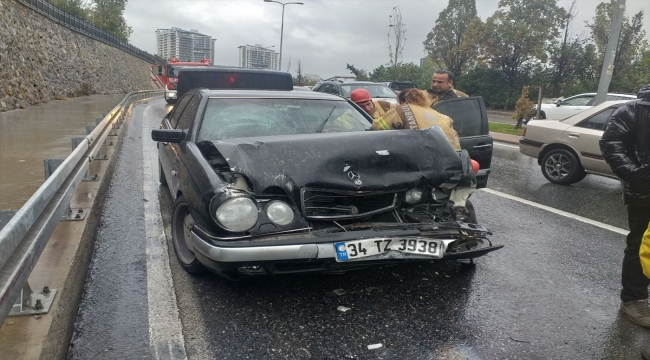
[(374, 108), (413, 113)]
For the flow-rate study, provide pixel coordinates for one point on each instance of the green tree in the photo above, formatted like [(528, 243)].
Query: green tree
[(109, 15), (517, 34), (361, 75), (564, 54), (631, 43), (299, 76), (77, 8), (447, 44)]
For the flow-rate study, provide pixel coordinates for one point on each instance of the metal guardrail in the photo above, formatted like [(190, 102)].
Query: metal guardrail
[(24, 237), (83, 27)]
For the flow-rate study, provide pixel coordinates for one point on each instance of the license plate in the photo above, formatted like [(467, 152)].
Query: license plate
[(351, 250)]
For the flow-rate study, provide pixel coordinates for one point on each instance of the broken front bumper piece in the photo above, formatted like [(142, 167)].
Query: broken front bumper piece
[(458, 240)]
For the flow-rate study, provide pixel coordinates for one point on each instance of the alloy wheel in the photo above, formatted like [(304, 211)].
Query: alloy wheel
[(558, 166)]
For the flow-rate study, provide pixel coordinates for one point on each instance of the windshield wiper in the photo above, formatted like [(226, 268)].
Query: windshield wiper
[(320, 129)]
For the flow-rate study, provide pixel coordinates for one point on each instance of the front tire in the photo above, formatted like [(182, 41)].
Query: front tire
[(560, 166), (171, 101), (182, 222)]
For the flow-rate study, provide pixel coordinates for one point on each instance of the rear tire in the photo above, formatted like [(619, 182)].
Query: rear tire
[(560, 166), (182, 222)]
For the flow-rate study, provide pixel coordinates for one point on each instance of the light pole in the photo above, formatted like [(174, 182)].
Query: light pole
[(282, 26)]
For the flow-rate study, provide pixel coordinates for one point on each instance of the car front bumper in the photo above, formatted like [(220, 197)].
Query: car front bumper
[(299, 254)]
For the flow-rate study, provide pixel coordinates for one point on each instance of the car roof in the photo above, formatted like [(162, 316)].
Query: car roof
[(361, 83), (615, 94), (233, 69), (230, 93)]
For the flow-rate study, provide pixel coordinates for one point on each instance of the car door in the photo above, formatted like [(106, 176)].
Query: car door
[(179, 165), (166, 151), (471, 124), (571, 106), (585, 136)]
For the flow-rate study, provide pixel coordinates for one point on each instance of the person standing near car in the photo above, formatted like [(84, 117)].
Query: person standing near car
[(626, 148), (414, 113), (442, 87), (374, 108)]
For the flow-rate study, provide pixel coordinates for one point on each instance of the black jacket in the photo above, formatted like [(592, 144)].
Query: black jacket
[(626, 147)]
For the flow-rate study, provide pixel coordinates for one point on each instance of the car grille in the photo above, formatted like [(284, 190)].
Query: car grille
[(319, 204)]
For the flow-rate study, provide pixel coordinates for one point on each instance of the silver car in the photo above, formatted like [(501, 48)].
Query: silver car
[(573, 105), (567, 150)]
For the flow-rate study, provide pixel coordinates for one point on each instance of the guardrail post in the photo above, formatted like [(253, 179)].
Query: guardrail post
[(70, 214), (75, 142), (31, 303)]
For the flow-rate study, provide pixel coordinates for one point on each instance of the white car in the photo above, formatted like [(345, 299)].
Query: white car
[(567, 150), (570, 106)]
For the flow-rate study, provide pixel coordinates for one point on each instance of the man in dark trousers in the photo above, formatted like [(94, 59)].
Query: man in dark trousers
[(626, 148)]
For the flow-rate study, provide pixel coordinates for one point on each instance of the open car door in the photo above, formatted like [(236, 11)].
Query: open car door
[(471, 123)]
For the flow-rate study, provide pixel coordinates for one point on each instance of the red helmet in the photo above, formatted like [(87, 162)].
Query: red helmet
[(360, 96)]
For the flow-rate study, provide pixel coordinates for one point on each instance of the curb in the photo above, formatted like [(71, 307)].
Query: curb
[(505, 138)]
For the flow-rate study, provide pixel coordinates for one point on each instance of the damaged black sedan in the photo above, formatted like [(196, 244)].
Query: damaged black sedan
[(271, 182)]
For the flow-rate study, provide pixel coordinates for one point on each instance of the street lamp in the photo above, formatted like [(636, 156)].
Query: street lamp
[(282, 27)]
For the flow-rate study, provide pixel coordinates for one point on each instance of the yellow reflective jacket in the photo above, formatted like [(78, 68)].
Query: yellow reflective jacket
[(381, 107), (416, 117), (644, 252)]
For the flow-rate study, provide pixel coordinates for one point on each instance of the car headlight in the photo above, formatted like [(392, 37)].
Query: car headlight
[(413, 196), (279, 213), (238, 214)]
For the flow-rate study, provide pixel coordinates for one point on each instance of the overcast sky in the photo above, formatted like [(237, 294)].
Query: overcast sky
[(323, 34)]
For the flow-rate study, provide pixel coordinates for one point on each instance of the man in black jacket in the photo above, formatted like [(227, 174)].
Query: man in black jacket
[(626, 148)]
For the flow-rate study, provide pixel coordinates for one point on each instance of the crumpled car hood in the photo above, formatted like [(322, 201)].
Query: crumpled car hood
[(354, 161)]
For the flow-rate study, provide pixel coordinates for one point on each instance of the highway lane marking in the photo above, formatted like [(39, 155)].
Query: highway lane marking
[(559, 212), (506, 145), (165, 329)]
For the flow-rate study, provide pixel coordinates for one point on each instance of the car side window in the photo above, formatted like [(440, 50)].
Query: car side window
[(329, 89), (466, 114), (189, 113), (178, 110), (598, 121), (578, 101)]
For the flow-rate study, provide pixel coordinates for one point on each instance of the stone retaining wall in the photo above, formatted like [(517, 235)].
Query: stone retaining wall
[(42, 61)]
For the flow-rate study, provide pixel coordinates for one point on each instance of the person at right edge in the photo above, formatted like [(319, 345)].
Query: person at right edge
[(626, 148), (414, 113)]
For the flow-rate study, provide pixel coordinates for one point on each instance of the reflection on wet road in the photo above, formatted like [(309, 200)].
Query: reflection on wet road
[(44, 131), (552, 292)]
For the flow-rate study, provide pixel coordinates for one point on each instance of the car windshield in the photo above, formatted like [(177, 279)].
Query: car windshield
[(228, 118), (375, 90)]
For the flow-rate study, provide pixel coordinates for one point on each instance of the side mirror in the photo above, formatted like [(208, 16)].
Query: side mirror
[(168, 135), (558, 102)]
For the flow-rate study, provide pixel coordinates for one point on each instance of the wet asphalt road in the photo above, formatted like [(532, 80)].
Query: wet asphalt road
[(551, 293)]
